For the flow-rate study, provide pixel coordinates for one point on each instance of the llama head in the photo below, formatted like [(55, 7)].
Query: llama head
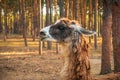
[(63, 30)]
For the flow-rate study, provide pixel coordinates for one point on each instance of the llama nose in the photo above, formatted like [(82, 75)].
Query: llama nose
[(42, 34)]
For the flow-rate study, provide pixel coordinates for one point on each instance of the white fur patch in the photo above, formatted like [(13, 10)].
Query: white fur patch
[(48, 36), (76, 27), (46, 30)]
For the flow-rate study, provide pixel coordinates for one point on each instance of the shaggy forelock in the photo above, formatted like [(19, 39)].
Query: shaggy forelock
[(67, 21)]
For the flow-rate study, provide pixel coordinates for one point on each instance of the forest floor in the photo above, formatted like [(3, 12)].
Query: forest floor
[(18, 62)]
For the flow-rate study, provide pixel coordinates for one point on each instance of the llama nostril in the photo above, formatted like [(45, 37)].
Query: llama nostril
[(42, 34)]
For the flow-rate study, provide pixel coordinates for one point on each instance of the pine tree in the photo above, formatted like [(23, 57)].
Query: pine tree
[(106, 37)]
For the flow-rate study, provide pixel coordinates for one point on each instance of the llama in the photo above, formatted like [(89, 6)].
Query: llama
[(70, 35)]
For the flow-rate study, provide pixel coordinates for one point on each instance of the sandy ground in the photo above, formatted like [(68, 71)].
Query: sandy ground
[(29, 65)]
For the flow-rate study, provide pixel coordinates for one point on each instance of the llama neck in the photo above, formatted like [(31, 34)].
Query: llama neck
[(76, 63)]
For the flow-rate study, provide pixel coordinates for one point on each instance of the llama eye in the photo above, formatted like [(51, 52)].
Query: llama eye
[(62, 28)]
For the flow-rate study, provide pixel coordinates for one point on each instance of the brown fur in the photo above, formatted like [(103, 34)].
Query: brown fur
[(76, 65), (67, 21)]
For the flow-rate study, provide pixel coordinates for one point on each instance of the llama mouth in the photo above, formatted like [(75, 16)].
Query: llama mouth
[(48, 39), (42, 38)]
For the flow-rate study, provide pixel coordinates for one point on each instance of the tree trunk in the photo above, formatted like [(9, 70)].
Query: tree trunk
[(51, 10), (99, 23), (48, 20), (95, 2), (39, 25), (76, 9), (55, 8), (19, 20), (5, 21), (99, 17), (42, 21), (61, 4), (66, 8), (83, 17), (116, 34), (50, 6), (47, 13), (22, 8), (35, 19), (55, 19), (71, 9), (1, 29), (15, 31), (106, 38), (90, 21)]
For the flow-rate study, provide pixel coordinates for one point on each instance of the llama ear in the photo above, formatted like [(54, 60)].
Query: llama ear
[(83, 31), (86, 32)]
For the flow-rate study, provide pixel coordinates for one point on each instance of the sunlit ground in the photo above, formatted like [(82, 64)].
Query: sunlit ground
[(16, 60)]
